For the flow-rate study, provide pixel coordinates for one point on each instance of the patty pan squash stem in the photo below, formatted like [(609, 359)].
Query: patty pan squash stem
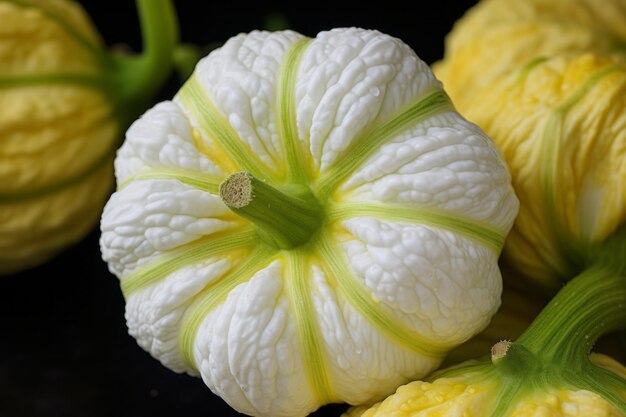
[(554, 352), (284, 219), (593, 304), (555, 348)]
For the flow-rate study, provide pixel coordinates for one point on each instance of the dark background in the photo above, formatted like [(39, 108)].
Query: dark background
[(64, 347)]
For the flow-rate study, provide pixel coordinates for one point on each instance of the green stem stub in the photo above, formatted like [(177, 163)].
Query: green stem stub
[(285, 218), (236, 190)]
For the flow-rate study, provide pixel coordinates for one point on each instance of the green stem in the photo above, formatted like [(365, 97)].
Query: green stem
[(590, 305), (554, 350), (138, 78), (285, 218)]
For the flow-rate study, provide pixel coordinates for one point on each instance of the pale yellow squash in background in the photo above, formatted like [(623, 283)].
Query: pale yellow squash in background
[(547, 81), (64, 101)]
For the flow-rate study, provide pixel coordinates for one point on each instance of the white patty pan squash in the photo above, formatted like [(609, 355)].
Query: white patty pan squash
[(308, 221)]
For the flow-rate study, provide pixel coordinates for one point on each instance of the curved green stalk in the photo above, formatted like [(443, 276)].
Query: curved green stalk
[(553, 353), (129, 81), (135, 80), (592, 304)]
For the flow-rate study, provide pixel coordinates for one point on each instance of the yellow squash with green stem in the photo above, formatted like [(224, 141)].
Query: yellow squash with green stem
[(64, 102)]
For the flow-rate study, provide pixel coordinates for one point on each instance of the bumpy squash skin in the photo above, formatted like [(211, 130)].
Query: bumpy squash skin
[(64, 101), (399, 266), (496, 37), (518, 309), (569, 122), (547, 80), (58, 131)]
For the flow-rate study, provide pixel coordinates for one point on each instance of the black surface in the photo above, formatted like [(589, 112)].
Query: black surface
[(64, 347)]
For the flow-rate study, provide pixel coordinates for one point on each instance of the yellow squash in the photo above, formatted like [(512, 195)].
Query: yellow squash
[(547, 81), (64, 101), (475, 394), (498, 37)]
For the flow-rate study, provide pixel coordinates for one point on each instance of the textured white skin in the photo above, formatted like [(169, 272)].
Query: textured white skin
[(161, 138), (356, 345), (247, 349), (413, 271), (347, 78), (445, 163), (240, 79), (254, 327), (145, 219), (154, 314)]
